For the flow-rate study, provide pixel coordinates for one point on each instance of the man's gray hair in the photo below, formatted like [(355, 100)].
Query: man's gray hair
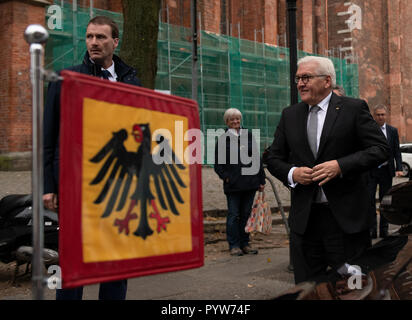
[(231, 112), (380, 106), (325, 66)]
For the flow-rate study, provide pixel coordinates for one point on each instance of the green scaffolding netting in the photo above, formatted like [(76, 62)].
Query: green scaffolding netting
[(233, 72)]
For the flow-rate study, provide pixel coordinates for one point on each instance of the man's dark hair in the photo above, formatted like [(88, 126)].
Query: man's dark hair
[(339, 89), (102, 20)]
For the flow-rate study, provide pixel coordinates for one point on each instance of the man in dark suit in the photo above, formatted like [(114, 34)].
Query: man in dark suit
[(102, 38), (322, 149), (382, 175)]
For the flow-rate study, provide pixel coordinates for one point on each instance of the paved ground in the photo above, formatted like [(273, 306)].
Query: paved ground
[(222, 277)]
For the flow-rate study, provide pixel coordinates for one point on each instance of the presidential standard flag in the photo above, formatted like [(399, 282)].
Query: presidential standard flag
[(130, 194)]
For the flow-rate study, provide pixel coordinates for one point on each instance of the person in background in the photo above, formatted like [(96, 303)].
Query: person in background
[(382, 175), (102, 38), (241, 178)]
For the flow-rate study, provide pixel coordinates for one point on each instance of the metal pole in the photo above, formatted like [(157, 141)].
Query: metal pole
[(292, 50), (240, 66), (255, 42), (341, 65), (280, 206), (285, 220), (35, 35), (265, 89), (194, 49), (229, 78), (91, 9), (74, 17), (202, 97), (169, 59)]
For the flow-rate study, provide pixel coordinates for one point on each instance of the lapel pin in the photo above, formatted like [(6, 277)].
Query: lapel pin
[(338, 108)]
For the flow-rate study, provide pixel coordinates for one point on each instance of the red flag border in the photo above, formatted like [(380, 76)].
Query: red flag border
[(74, 271)]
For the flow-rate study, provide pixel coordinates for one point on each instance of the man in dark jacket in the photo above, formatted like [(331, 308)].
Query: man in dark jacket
[(382, 175), (323, 148), (102, 38)]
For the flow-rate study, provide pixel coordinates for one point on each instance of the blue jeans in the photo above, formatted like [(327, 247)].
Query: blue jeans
[(115, 290), (239, 205)]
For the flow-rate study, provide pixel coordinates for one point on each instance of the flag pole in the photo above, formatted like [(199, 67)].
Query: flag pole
[(193, 7), (36, 35)]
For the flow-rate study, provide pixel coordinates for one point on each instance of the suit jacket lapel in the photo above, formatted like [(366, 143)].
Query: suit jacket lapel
[(388, 134), (331, 115)]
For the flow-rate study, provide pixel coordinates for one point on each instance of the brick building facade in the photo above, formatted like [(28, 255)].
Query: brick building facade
[(372, 33)]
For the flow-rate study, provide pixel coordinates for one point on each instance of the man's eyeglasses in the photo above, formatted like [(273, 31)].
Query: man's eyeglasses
[(305, 78)]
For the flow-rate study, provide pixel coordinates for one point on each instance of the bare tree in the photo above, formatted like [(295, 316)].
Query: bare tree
[(139, 43)]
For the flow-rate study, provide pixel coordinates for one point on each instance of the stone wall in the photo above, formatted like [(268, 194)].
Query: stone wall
[(383, 47)]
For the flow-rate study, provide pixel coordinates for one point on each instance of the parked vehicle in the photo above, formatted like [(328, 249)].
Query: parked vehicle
[(16, 231), (406, 151), (396, 205)]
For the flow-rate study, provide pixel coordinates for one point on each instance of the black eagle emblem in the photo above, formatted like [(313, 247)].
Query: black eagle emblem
[(165, 176)]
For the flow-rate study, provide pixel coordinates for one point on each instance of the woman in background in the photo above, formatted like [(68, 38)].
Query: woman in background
[(240, 179)]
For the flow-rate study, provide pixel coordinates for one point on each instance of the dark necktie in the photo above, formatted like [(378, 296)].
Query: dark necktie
[(106, 74), (313, 129)]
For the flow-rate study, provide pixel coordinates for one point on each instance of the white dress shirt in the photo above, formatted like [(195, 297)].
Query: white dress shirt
[(383, 128), (321, 114), (113, 75)]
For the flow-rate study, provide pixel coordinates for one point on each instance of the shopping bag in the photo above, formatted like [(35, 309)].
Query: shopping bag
[(260, 219)]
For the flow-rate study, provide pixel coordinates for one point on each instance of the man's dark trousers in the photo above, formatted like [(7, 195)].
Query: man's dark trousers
[(115, 290), (382, 177), (323, 245)]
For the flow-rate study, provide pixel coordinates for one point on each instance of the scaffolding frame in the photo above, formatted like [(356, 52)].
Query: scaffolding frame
[(250, 75)]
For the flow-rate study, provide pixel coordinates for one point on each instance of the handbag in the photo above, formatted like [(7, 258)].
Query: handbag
[(260, 219)]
